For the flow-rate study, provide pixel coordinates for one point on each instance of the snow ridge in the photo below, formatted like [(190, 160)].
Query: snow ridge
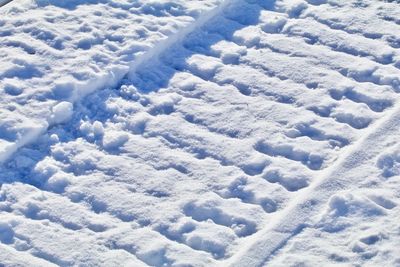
[(152, 56)]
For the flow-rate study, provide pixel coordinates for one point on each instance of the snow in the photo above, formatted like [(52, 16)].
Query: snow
[(38, 51), (62, 112), (199, 133)]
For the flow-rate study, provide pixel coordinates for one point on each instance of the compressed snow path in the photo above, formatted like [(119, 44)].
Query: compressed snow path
[(257, 133)]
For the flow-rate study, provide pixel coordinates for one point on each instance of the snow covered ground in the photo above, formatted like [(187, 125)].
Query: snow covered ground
[(200, 133)]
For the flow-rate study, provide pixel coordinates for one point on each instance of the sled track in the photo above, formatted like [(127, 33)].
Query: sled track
[(238, 150)]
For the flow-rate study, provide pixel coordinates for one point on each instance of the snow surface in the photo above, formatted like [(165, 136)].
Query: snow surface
[(199, 133)]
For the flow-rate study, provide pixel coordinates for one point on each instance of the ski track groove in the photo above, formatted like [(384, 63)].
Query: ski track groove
[(277, 229)]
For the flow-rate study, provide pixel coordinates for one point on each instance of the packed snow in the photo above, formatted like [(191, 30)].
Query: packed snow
[(199, 133)]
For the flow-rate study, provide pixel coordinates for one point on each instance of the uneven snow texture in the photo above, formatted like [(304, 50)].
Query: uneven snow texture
[(200, 133), (53, 51)]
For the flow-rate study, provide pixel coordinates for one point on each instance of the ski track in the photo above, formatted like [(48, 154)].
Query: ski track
[(157, 171)]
